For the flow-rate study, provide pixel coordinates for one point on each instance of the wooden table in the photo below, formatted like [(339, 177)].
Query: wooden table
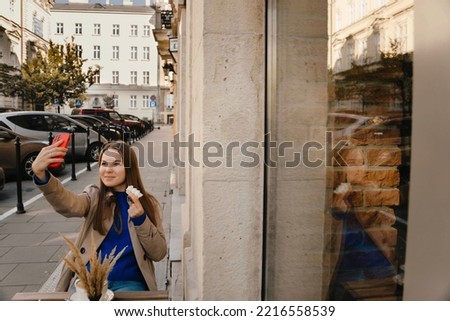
[(118, 296)]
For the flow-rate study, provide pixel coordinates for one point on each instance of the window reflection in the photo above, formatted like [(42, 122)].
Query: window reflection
[(370, 89)]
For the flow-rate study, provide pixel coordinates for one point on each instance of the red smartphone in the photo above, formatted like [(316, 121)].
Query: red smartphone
[(65, 137)]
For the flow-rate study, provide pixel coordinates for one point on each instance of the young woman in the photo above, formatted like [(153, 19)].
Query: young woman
[(115, 216)]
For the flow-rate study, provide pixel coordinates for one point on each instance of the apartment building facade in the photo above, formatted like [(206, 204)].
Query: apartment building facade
[(24, 29), (360, 31), (119, 40)]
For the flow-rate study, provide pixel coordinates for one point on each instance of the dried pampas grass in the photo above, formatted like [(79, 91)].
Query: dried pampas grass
[(95, 278)]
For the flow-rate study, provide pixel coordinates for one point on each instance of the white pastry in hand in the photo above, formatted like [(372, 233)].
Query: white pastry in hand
[(342, 188), (134, 190)]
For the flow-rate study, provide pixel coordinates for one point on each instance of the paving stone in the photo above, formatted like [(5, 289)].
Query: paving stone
[(5, 269), (60, 227), (7, 292), (29, 274), (3, 250), (28, 254), (24, 239), (19, 228)]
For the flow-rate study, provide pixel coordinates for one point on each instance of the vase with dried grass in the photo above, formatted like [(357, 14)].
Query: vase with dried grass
[(94, 281)]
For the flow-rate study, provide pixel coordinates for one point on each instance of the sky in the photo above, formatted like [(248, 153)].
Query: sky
[(115, 2)]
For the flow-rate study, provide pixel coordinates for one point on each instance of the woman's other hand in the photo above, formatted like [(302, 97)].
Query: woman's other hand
[(135, 209), (340, 198)]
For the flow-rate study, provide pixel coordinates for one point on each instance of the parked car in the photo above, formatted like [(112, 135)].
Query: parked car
[(29, 149), (135, 126), (124, 130), (148, 124), (2, 178), (109, 132), (39, 124)]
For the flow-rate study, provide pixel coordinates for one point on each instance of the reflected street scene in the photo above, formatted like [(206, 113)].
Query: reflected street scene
[(370, 99)]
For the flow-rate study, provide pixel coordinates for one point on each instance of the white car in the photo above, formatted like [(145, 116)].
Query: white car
[(39, 124)]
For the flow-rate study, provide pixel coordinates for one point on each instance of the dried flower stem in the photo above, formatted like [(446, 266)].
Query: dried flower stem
[(94, 278)]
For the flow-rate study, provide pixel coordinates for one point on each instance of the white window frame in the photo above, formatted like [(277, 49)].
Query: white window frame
[(116, 30), (146, 77), (145, 101), (115, 77), (60, 28), (133, 77), (133, 30), (79, 50), (146, 31), (78, 28), (115, 53), (97, 78), (134, 53), (133, 101), (96, 52), (97, 29), (146, 53)]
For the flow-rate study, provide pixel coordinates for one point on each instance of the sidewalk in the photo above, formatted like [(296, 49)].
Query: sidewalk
[(31, 247)]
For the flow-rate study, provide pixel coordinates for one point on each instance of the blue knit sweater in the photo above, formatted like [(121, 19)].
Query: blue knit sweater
[(126, 268)]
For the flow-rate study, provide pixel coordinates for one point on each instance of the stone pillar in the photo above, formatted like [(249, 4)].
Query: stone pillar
[(223, 243)]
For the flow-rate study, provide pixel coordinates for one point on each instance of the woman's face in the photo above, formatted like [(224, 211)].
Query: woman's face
[(112, 170)]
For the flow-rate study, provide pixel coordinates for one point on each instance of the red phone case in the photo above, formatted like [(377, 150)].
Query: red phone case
[(65, 137)]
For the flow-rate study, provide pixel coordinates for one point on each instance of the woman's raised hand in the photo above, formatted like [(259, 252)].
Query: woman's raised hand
[(50, 154)]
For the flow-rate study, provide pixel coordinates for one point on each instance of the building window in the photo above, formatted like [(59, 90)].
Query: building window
[(133, 101), (97, 78), (134, 30), (116, 30), (133, 77), (134, 53), (115, 77), (115, 101), (97, 30), (350, 54), (376, 43), (146, 78), (115, 53), (401, 35), (145, 101), (78, 28), (146, 31), (59, 28), (79, 51), (146, 53), (96, 52), (38, 27)]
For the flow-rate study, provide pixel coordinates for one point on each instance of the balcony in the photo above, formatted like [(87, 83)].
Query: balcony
[(162, 32)]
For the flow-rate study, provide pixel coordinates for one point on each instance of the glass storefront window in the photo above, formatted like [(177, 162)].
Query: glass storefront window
[(369, 115), (338, 231)]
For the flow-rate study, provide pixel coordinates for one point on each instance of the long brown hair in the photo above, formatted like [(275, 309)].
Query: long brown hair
[(132, 177)]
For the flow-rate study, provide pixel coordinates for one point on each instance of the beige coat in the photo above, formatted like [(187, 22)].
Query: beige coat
[(148, 240)]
